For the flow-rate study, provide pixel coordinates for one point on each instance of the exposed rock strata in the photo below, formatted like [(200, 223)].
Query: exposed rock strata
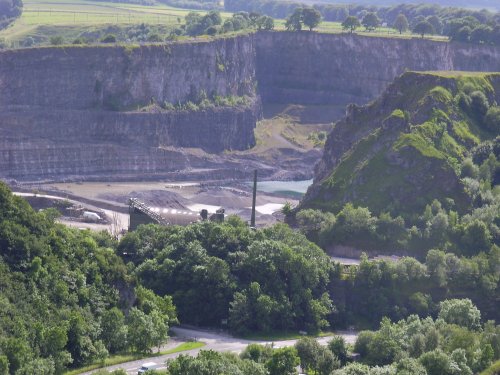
[(70, 111), (338, 69)]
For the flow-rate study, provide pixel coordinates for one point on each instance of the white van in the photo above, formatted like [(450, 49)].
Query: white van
[(91, 216), (147, 366)]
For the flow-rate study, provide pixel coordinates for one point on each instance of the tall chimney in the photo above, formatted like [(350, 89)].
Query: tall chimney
[(252, 219)]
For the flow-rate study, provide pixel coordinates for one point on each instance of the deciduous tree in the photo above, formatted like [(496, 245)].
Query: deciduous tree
[(351, 23), (401, 23), (422, 28)]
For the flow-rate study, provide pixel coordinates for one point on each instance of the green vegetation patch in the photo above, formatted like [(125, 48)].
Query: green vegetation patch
[(494, 369), (441, 94), (474, 82), (352, 162), (419, 142), (462, 131), (432, 140), (397, 113)]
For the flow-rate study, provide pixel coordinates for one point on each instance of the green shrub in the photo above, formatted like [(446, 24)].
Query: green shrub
[(363, 341), (469, 169), (190, 106), (56, 40), (479, 103), (464, 101), (317, 138), (168, 106), (212, 30), (492, 119), (441, 94), (28, 42), (228, 26), (468, 88), (206, 104), (110, 38), (79, 40), (154, 38)]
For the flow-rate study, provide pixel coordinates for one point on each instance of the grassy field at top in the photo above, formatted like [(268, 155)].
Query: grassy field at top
[(69, 18), (54, 12), (42, 19)]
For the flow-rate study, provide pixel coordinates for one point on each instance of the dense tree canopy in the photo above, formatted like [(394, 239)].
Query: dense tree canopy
[(62, 294), (271, 279), (427, 346), (370, 21)]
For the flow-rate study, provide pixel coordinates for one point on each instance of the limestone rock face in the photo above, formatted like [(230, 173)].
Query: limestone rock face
[(339, 69), (119, 77), (67, 111), (51, 143)]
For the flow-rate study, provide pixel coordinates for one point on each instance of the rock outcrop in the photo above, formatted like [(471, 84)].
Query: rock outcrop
[(392, 160)]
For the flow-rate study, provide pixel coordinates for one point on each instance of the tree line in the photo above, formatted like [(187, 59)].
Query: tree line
[(458, 24), (9, 11), (455, 343), (267, 280), (212, 23)]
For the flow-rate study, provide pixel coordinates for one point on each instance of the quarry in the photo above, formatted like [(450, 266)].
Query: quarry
[(224, 191), (123, 112), (102, 124)]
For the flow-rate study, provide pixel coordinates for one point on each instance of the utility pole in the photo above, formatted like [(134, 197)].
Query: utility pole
[(254, 199)]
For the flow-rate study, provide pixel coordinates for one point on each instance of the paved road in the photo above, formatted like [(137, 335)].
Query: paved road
[(214, 341)]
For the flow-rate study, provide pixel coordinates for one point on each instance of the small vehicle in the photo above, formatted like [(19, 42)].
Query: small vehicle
[(91, 216), (147, 366)]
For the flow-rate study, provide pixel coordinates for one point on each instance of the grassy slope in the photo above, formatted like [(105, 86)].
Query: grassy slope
[(429, 148), (290, 126), (69, 18), (494, 369)]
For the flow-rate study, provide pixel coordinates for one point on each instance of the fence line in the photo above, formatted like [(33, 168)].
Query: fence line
[(31, 15)]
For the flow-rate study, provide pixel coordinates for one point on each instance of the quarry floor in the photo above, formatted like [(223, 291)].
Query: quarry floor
[(286, 144), (236, 199)]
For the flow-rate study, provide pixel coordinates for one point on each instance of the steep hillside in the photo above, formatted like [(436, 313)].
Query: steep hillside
[(64, 293), (391, 160)]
